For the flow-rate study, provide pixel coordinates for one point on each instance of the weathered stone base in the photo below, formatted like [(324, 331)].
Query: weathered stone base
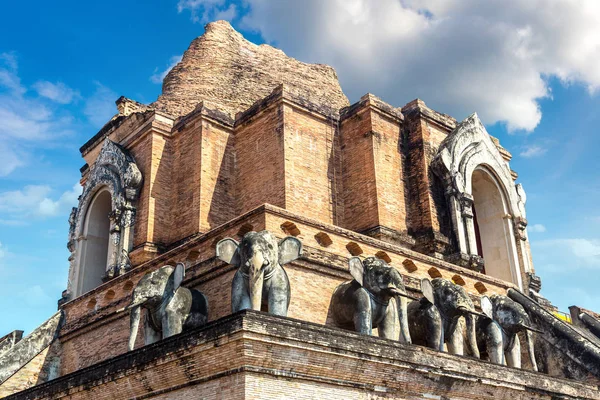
[(251, 355)]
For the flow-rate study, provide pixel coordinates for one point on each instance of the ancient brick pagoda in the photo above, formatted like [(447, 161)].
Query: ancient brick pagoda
[(244, 138)]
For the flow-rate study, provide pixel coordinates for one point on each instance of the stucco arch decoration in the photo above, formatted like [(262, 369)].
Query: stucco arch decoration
[(466, 149), (115, 170)]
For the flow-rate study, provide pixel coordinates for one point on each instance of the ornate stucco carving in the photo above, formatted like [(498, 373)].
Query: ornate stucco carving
[(115, 170), (467, 148)]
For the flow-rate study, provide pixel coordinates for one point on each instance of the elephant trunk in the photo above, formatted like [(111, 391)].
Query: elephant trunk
[(530, 350), (134, 325), (256, 280), (471, 336), (402, 304)]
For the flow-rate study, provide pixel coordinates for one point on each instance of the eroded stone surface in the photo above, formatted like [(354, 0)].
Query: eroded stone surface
[(231, 73)]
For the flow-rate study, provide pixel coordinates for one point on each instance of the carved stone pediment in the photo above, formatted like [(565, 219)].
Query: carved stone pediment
[(469, 145)]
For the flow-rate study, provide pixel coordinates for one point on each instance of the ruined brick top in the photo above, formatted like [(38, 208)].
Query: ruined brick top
[(231, 73)]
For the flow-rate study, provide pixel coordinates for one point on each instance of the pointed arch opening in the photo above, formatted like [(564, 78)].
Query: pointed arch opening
[(96, 244), (493, 229)]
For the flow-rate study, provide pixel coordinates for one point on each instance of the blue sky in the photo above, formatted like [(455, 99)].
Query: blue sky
[(531, 72)]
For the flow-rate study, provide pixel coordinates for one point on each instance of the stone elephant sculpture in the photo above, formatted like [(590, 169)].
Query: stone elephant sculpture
[(364, 303), (260, 278), (441, 320), (170, 307), (512, 318)]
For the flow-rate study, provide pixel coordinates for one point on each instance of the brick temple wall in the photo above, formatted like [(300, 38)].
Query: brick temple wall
[(251, 355)]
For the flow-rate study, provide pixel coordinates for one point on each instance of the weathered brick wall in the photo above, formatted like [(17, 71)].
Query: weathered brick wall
[(359, 184), (187, 167), (221, 388), (259, 147), (389, 171), (427, 211), (373, 159), (142, 153), (103, 341), (217, 180), (310, 168)]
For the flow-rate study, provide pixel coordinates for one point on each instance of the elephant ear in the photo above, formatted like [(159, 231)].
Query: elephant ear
[(487, 307), (357, 269), (290, 249), (427, 290), (227, 251), (178, 275)]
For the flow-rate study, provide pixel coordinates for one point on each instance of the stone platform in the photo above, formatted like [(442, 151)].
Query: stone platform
[(250, 355)]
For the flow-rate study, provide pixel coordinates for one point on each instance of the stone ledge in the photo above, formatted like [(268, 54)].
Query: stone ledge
[(284, 348)]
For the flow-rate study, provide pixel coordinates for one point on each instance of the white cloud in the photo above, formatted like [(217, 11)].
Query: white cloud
[(100, 107), (58, 92), (35, 201), (2, 252), (458, 56), (26, 122), (158, 76), (536, 228), (208, 10), (577, 253), (533, 151)]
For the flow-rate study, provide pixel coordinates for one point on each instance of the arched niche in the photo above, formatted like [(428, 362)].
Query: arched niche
[(95, 242), (493, 226), (478, 184), (107, 206)]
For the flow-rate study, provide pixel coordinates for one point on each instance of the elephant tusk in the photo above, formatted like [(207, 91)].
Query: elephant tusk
[(473, 312), (408, 296), (529, 328), (397, 292)]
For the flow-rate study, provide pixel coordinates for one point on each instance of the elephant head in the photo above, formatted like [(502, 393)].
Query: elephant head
[(513, 318), (364, 301), (259, 258), (153, 290), (454, 304)]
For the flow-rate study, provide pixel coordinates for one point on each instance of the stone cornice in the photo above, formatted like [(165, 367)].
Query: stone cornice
[(371, 102), (204, 110), (418, 107), (161, 122), (282, 94)]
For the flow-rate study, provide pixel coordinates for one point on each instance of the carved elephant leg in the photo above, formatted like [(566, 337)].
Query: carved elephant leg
[(240, 299), (434, 327), (388, 327), (150, 334), (494, 343), (513, 353), (279, 294), (530, 350), (455, 339), (363, 322)]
